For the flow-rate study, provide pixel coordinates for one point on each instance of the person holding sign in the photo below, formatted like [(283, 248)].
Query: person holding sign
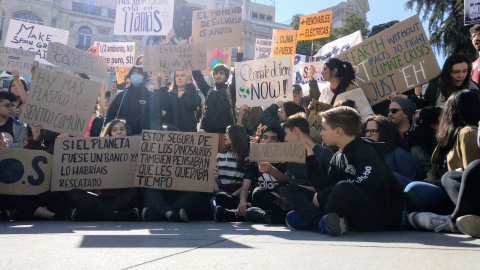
[(107, 205), (220, 100), (14, 130), (279, 112), (341, 85), (18, 86), (136, 105), (183, 99)]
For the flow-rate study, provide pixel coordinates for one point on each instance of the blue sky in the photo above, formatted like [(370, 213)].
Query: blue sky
[(381, 11)]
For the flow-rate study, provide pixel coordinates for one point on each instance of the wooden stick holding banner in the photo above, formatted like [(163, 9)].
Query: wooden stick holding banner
[(278, 152), (177, 160)]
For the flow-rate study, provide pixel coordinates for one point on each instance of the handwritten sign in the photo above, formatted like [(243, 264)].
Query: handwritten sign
[(315, 120), (315, 26), (174, 57), (397, 59), (177, 160), (217, 27), (264, 81), (24, 172), (263, 48), (284, 42), (278, 152), (121, 73), (218, 56), (60, 102), (142, 17), (34, 38), (471, 11), (117, 54), (317, 75), (76, 60), (94, 163), (16, 59)]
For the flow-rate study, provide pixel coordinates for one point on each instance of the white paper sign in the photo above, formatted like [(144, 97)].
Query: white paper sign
[(77, 60), (16, 59), (337, 46), (262, 48), (34, 37), (117, 54), (264, 81), (144, 17)]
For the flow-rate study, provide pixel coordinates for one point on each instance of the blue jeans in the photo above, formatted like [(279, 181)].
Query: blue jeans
[(426, 197)]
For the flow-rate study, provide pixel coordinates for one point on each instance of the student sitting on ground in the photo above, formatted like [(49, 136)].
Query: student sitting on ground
[(359, 189)]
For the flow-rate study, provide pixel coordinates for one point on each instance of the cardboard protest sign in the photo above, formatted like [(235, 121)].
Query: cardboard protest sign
[(284, 42), (397, 59), (217, 27), (337, 46), (471, 11), (33, 37), (117, 54), (315, 26), (218, 56), (141, 17), (177, 160), (60, 102), (16, 59), (174, 57), (94, 163), (121, 73), (278, 152), (24, 172), (264, 81), (263, 48), (315, 120), (76, 60)]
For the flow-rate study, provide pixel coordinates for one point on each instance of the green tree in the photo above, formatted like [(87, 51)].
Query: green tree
[(380, 27), (448, 35), (353, 23)]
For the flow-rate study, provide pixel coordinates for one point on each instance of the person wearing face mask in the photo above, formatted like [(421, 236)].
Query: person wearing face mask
[(136, 105)]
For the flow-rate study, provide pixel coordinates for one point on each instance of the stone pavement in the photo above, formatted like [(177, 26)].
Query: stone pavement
[(211, 245)]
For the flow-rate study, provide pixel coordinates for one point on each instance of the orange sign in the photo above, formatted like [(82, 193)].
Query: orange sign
[(93, 50), (284, 42), (315, 26), (121, 73)]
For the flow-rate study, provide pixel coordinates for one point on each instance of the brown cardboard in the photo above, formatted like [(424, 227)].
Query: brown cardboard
[(315, 120), (217, 27), (397, 59), (278, 152), (94, 163), (174, 57), (76, 60), (16, 59), (60, 102), (24, 172), (177, 160)]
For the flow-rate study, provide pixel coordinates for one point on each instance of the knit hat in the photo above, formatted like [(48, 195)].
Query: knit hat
[(407, 105), (297, 89)]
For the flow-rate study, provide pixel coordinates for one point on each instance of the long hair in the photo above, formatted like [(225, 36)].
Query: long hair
[(107, 130), (24, 83), (425, 133), (462, 109), (344, 71), (239, 146), (446, 83), (387, 132)]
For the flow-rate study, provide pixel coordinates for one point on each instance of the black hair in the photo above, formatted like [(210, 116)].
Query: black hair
[(138, 69), (446, 83), (425, 133), (221, 67), (240, 144), (275, 129), (7, 95), (387, 132), (475, 28), (344, 71), (345, 102), (292, 108), (137, 60), (107, 130), (24, 83), (297, 122)]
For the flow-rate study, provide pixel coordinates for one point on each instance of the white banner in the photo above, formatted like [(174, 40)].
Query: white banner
[(471, 11), (263, 48), (264, 81), (337, 46), (142, 17), (117, 54), (33, 37)]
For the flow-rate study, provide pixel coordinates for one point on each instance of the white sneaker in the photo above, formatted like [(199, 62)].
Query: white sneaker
[(431, 222), (469, 225)]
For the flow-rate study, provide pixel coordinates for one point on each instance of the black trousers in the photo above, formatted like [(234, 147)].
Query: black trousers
[(346, 199), (265, 199), (196, 204), (464, 189)]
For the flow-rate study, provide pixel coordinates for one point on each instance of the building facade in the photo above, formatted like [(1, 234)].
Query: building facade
[(344, 9)]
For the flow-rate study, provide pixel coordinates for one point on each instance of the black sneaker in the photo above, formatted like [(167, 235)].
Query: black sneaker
[(130, 215), (149, 215), (5, 215), (222, 214), (257, 215), (180, 216)]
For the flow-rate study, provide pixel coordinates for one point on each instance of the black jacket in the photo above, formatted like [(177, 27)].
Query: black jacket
[(181, 112)]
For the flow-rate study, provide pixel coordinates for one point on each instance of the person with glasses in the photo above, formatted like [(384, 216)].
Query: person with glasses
[(380, 129), (13, 130), (401, 112)]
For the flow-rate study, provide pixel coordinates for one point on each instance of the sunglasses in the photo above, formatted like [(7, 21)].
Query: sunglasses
[(394, 111), (371, 131)]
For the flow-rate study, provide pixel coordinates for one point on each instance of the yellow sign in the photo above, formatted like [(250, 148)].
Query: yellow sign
[(284, 42), (315, 26), (121, 73)]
